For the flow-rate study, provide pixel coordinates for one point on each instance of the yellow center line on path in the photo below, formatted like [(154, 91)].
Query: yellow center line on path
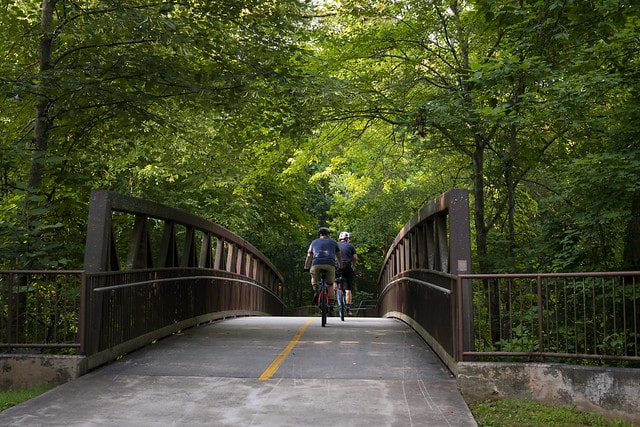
[(268, 373)]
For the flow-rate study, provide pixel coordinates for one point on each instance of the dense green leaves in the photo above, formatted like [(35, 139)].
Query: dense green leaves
[(272, 118), (162, 100), (515, 95)]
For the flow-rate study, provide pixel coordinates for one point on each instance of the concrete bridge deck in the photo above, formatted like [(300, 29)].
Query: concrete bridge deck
[(263, 371)]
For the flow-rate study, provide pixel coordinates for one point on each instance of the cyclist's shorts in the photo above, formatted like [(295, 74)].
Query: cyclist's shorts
[(315, 273), (347, 277)]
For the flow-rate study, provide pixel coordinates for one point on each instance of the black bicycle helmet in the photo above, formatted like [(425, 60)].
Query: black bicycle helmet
[(323, 231)]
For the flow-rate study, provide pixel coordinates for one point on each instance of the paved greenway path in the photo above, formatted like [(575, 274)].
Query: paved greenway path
[(263, 371)]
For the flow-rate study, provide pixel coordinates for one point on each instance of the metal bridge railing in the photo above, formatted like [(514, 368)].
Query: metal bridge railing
[(149, 270), (129, 309), (418, 276), (72, 312), (126, 233), (153, 270), (565, 317), (561, 317), (105, 311)]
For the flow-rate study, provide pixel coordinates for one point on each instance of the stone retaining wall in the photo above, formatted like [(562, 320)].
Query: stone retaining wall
[(22, 371), (614, 392)]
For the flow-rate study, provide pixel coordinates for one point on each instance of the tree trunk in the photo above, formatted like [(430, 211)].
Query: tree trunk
[(43, 119), (510, 165), (478, 205), (631, 254)]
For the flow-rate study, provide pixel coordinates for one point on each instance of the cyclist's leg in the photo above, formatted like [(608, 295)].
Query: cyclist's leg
[(314, 271), (330, 297), (331, 274), (348, 275), (349, 283), (331, 278)]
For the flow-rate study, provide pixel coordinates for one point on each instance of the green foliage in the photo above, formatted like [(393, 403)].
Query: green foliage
[(509, 412), (506, 96), (9, 398), (361, 296), (521, 339), (44, 309), (45, 240), (586, 221), (175, 103), (271, 118)]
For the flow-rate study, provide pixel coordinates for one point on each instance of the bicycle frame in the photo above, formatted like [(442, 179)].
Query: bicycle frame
[(323, 297)]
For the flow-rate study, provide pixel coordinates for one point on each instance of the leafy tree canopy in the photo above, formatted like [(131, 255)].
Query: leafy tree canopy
[(274, 117)]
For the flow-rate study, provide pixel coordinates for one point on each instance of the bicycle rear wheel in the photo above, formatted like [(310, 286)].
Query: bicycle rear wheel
[(324, 306)]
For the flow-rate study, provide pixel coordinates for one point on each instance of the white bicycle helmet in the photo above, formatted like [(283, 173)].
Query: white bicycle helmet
[(344, 235)]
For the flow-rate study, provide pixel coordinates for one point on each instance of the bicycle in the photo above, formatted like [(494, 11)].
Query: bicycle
[(323, 297), (340, 298)]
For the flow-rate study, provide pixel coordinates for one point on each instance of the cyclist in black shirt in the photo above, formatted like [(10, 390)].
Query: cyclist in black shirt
[(349, 260)]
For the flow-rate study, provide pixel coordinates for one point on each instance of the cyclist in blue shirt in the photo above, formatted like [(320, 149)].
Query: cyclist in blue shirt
[(322, 255)]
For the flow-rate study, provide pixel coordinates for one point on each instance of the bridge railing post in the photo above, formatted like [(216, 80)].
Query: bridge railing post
[(460, 253), (418, 282)]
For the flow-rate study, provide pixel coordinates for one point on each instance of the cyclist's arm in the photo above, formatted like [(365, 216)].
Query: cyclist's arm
[(354, 260), (307, 261), (339, 258)]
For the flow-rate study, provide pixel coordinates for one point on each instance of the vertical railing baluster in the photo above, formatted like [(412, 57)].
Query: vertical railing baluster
[(540, 327)]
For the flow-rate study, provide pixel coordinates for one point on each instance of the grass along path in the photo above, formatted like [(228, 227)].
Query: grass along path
[(521, 413)]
